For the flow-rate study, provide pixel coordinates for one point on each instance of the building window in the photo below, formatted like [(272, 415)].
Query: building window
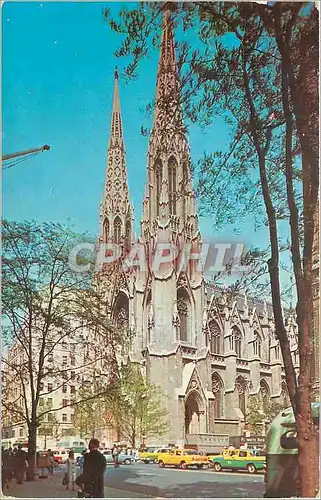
[(158, 181), (13, 433), (64, 360), (20, 432), (117, 230), (72, 360), (217, 388), (237, 341), (49, 402), (241, 387), (106, 230), (64, 402), (215, 337), (41, 386), (182, 308), (64, 374), (72, 389), (64, 345), (49, 387), (72, 417), (257, 345), (41, 401), (64, 417), (50, 358), (172, 169), (50, 417), (64, 388), (72, 375)]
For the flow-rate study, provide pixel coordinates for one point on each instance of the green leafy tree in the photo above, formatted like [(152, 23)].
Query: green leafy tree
[(261, 412), (46, 302), (138, 409), (255, 66)]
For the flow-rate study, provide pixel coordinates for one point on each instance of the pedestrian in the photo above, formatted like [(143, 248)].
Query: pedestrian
[(5, 468), (92, 479), (115, 454), (51, 461), (81, 461), (71, 471), (20, 461)]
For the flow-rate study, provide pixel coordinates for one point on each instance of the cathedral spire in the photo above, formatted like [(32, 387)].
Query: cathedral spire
[(168, 89), (116, 129), (116, 216)]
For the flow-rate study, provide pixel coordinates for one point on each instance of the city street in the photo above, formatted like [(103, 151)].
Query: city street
[(141, 481), (176, 483)]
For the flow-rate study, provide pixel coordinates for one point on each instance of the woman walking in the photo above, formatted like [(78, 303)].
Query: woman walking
[(71, 471)]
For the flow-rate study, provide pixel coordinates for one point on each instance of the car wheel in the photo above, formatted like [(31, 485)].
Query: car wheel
[(183, 465), (200, 466), (127, 461), (217, 467), (146, 461), (161, 464), (251, 468)]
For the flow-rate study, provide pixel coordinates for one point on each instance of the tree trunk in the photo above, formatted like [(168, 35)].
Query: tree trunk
[(32, 448)]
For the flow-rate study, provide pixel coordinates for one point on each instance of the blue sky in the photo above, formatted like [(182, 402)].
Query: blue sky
[(58, 64)]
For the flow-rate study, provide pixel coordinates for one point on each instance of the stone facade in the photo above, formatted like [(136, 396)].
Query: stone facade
[(207, 352)]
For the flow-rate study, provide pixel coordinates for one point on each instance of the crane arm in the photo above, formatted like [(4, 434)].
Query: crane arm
[(22, 153)]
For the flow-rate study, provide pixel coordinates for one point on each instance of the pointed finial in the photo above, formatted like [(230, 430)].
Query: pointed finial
[(116, 73)]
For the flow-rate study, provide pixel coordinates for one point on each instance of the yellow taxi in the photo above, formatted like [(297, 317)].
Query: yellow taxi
[(182, 458)]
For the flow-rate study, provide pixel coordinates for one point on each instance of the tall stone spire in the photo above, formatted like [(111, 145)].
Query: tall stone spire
[(115, 215), (168, 111), (169, 174)]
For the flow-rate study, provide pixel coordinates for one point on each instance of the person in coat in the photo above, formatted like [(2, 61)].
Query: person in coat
[(92, 478), (71, 471)]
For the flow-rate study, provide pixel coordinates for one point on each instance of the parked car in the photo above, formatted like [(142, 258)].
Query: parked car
[(239, 460), (123, 458), (161, 450), (60, 456), (182, 458), (148, 455)]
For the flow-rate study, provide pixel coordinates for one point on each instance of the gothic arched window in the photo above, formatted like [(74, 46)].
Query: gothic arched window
[(184, 190), (106, 230), (285, 399), (237, 341), (117, 230), (215, 337), (183, 310), (128, 232), (172, 171), (158, 181), (241, 388), (265, 393), (257, 345), (217, 389), (121, 310)]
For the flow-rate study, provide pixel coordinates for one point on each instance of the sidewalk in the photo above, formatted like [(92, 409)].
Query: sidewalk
[(52, 488)]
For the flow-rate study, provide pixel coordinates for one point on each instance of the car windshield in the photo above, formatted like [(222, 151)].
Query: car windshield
[(190, 452), (150, 450)]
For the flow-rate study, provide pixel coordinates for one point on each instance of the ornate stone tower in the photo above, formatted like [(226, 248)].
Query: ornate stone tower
[(171, 295), (116, 212)]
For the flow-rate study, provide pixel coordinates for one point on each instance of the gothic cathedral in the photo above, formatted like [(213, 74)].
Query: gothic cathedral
[(208, 354)]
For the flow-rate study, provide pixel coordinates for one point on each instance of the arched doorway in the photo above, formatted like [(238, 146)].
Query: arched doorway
[(194, 414)]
